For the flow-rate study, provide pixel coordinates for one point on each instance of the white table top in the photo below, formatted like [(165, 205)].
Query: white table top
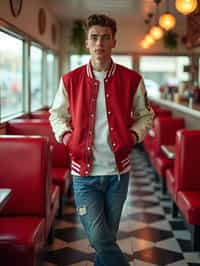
[(5, 193)]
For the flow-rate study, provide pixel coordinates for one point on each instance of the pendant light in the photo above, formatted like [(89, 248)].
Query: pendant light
[(148, 39), (156, 31), (186, 7), (167, 21)]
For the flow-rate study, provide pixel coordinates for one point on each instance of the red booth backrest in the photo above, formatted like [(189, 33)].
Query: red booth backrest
[(25, 169), (165, 130), (162, 112), (187, 161), (40, 115), (40, 127)]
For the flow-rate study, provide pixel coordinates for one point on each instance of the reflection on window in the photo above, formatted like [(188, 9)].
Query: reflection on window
[(78, 60), (163, 71), (51, 77), (36, 77), (11, 67)]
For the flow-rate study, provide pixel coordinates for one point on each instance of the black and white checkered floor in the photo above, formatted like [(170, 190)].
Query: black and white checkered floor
[(148, 235)]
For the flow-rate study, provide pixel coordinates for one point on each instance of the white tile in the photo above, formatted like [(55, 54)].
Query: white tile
[(157, 210), (182, 234), (169, 244), (192, 257), (126, 245), (140, 244), (164, 225), (81, 245), (178, 263), (133, 225), (141, 263)]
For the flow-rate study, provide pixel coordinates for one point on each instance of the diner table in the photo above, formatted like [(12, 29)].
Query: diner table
[(5, 194), (169, 151)]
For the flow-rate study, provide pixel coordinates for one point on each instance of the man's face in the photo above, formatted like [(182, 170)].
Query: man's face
[(100, 42)]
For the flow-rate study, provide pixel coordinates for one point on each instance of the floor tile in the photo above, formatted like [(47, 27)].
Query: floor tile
[(148, 235)]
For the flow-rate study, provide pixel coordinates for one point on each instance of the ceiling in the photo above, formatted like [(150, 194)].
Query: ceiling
[(122, 10)]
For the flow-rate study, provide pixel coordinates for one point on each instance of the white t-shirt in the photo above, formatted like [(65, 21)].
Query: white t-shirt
[(103, 157)]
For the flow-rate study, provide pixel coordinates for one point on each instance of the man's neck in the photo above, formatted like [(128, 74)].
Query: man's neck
[(98, 65)]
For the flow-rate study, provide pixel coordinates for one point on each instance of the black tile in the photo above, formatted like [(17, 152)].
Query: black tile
[(146, 217), (152, 234), (178, 225), (67, 256), (158, 256), (185, 245), (167, 210), (140, 184), (143, 203), (70, 234), (140, 193), (72, 218)]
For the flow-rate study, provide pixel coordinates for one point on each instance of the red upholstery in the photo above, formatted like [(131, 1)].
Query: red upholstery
[(149, 141), (187, 175), (59, 154), (186, 185), (165, 130), (170, 181), (40, 115), (21, 239), (162, 163), (189, 203), (24, 219), (162, 112)]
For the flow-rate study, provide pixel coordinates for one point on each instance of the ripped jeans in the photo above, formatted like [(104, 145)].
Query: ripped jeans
[(99, 202)]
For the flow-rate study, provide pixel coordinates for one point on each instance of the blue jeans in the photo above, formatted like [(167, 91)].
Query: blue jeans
[(99, 201)]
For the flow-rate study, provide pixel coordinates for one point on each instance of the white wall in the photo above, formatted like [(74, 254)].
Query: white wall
[(27, 21)]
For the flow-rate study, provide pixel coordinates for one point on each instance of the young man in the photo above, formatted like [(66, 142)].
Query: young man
[(100, 112)]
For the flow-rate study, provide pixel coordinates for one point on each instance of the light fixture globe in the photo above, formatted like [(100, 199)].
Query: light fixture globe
[(167, 21), (149, 39), (156, 32), (144, 44), (186, 7)]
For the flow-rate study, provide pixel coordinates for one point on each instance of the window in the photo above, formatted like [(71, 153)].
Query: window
[(125, 60), (78, 60), (51, 77), (163, 70), (36, 77), (11, 75)]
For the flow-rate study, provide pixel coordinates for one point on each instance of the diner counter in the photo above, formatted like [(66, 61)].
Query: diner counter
[(183, 106), (191, 115)]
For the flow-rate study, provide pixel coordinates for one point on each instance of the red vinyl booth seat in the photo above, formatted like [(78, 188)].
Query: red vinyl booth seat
[(187, 180), (24, 224), (149, 141), (165, 134), (170, 181), (59, 154)]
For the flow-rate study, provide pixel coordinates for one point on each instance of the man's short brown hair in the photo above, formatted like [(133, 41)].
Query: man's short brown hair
[(101, 20)]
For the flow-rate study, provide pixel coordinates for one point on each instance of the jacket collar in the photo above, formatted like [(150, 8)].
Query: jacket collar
[(110, 72)]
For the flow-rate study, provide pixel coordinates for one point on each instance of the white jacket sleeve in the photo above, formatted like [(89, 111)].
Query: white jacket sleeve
[(59, 113), (143, 114)]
